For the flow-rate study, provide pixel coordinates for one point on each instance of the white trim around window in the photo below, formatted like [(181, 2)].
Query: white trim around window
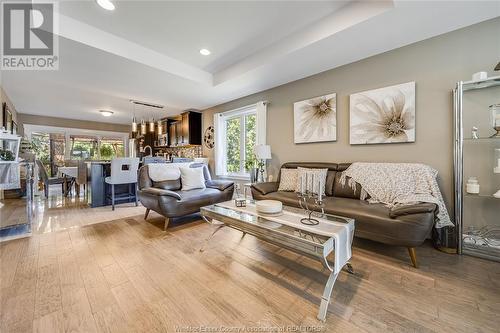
[(220, 119)]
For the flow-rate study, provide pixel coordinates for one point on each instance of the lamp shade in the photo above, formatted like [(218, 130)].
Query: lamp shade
[(263, 152)]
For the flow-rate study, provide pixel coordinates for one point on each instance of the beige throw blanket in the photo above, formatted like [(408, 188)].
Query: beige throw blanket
[(395, 184)]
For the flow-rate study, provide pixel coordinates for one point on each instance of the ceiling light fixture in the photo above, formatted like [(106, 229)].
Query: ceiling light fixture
[(148, 104), (106, 113), (205, 52), (106, 4)]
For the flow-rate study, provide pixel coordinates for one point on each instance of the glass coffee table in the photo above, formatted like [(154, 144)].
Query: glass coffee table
[(332, 236)]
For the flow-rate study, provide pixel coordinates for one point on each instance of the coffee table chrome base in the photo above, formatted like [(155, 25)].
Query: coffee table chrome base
[(218, 226), (327, 294)]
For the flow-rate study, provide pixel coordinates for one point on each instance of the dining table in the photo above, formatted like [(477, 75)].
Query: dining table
[(70, 174)]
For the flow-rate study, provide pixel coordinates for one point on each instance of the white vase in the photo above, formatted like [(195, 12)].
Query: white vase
[(472, 186)]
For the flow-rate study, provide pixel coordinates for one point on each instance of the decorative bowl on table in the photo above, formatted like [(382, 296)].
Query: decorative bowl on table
[(269, 206)]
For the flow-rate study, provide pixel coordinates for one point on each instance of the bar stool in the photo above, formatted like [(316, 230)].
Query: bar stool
[(123, 171)]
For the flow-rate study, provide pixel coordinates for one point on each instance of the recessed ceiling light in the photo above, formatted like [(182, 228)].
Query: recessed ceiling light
[(106, 113), (204, 51), (106, 4)]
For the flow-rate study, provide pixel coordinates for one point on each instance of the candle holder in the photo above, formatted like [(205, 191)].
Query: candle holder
[(495, 119), (307, 201)]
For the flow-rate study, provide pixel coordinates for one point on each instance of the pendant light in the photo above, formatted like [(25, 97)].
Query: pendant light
[(134, 121), (134, 125), (160, 129), (143, 127), (152, 125)]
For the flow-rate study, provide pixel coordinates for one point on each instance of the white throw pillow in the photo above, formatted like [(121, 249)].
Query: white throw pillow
[(317, 173), (192, 178), (288, 180), (159, 172)]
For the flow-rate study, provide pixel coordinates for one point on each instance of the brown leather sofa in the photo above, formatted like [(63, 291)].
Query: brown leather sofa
[(407, 226), (167, 199)]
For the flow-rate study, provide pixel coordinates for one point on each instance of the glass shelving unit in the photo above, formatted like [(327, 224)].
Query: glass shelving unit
[(476, 155)]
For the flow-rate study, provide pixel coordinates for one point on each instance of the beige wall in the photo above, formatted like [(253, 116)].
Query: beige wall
[(435, 64), (5, 98), (72, 123)]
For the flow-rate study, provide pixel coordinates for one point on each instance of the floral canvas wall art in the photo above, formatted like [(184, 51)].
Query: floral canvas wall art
[(385, 115), (315, 119)]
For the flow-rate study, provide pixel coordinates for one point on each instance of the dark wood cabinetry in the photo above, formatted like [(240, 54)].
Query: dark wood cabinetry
[(185, 129)]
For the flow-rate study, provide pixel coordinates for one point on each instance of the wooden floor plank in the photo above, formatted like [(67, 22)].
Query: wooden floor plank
[(129, 275)]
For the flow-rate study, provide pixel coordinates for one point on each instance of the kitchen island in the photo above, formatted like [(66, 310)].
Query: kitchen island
[(100, 191)]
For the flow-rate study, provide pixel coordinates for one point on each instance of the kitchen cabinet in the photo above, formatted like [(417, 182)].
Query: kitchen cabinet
[(185, 129)]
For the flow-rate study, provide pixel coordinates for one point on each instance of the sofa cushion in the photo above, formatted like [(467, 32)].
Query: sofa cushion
[(160, 192), (288, 180), (330, 177), (192, 178), (219, 184), (287, 198), (344, 190), (198, 194), (311, 174), (172, 185), (264, 188), (159, 172), (372, 221)]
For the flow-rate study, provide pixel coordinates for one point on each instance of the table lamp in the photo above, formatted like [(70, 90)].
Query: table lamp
[(263, 153)]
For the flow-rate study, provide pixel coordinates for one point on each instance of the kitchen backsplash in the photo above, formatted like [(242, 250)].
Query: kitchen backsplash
[(190, 152)]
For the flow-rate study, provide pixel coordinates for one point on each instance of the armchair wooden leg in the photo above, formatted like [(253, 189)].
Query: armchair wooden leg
[(413, 256), (167, 220), (147, 213)]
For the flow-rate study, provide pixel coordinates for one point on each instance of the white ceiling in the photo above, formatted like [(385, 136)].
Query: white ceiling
[(232, 30), (150, 50)]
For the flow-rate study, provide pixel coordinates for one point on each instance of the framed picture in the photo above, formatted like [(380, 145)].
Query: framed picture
[(7, 118), (385, 115), (4, 114), (315, 119)]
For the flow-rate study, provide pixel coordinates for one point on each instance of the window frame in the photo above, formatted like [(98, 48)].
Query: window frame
[(30, 129), (240, 114)]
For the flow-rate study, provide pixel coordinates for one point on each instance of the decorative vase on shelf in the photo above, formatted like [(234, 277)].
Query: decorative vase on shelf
[(495, 118), (472, 186), (479, 76)]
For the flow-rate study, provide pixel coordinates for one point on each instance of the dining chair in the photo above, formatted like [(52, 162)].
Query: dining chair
[(81, 178), (47, 181), (123, 171)]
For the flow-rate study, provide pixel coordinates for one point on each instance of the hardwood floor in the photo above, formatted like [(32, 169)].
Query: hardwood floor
[(128, 275), (59, 212)]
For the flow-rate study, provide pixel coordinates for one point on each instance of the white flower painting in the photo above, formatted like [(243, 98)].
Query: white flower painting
[(315, 119), (385, 115)]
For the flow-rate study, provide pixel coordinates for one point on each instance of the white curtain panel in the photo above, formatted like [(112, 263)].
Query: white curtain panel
[(261, 108), (219, 153)]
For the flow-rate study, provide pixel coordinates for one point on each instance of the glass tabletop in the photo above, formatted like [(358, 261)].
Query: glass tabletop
[(269, 222)]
